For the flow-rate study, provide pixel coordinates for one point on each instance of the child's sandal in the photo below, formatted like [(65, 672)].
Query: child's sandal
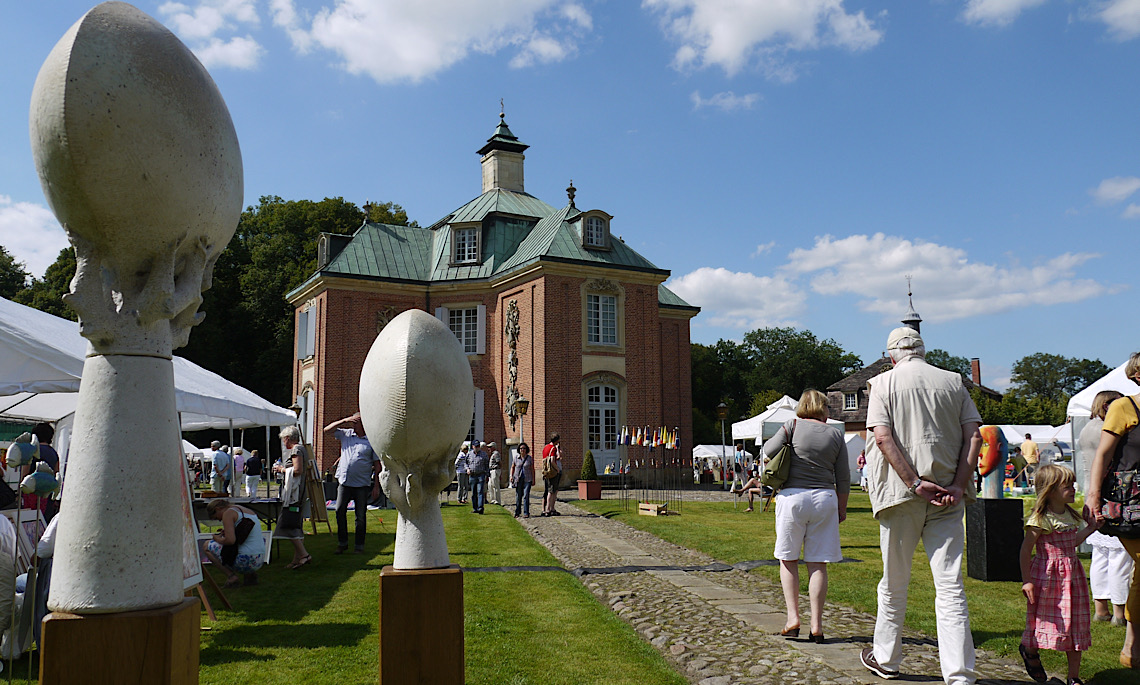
[(1037, 672)]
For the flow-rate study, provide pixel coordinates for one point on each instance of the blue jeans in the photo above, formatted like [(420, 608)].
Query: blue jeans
[(522, 497), (478, 491)]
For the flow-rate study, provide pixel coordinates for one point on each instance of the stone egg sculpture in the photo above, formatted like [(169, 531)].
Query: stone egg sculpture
[(139, 161), (416, 402)]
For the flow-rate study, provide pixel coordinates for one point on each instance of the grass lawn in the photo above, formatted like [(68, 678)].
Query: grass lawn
[(319, 624), (997, 609)]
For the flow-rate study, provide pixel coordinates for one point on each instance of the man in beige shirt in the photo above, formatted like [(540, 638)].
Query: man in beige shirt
[(920, 469), (1032, 455)]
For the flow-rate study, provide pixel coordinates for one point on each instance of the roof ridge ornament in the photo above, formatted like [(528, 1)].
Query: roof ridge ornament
[(571, 191), (911, 318)]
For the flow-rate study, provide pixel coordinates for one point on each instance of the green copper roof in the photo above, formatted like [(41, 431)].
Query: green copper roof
[(503, 139), (384, 251), (499, 201), (668, 298)]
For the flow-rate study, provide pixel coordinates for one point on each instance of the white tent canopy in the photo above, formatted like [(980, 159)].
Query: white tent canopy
[(41, 364), (765, 424), (1081, 403)]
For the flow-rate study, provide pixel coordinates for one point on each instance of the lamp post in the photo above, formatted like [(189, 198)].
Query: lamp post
[(521, 404), (722, 414)]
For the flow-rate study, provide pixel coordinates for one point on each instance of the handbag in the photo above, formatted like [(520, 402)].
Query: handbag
[(290, 517), (8, 496), (776, 470), (1120, 492), (241, 532)]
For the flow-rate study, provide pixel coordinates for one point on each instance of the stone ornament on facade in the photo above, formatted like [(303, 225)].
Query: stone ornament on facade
[(384, 317), (139, 161), (603, 286), (511, 332), (415, 402)]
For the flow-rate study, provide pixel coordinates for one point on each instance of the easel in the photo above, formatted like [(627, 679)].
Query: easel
[(217, 590), (316, 493)]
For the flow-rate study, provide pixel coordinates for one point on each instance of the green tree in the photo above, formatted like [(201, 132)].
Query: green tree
[(47, 295), (769, 363), (247, 335), (1053, 377), (944, 360), (13, 274), (1016, 410), (762, 399), (790, 361)]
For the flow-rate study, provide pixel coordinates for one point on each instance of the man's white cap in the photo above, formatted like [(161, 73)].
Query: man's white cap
[(490, 444), (904, 338)]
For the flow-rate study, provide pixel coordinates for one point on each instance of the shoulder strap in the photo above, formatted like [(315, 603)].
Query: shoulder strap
[(1134, 407)]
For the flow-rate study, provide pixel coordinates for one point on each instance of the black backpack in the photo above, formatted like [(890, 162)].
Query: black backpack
[(1120, 490)]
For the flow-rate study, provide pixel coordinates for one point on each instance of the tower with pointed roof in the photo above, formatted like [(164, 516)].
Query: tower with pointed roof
[(911, 318), (600, 341)]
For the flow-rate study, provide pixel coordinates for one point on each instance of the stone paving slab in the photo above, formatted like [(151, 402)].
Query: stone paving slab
[(719, 627)]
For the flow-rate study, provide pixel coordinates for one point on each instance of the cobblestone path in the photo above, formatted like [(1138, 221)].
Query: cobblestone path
[(718, 627)]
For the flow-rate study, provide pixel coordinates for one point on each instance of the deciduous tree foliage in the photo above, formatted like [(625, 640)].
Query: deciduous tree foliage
[(13, 275), (47, 294), (1053, 377), (767, 364), (247, 335), (944, 360)]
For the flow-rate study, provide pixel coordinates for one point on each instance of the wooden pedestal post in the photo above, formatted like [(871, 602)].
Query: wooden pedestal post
[(421, 626), (158, 646)]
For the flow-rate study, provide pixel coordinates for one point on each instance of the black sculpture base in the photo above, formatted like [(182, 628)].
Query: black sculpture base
[(994, 531)]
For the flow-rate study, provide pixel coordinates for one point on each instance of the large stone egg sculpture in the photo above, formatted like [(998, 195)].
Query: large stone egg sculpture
[(139, 161), (416, 402)]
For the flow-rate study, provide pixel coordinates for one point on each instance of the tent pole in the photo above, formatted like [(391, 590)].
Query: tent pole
[(265, 463), (233, 476)]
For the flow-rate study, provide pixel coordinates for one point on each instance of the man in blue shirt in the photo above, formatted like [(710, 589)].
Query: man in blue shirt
[(357, 471), (478, 466), (221, 468)]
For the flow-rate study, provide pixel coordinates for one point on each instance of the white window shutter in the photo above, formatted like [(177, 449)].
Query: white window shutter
[(481, 331), (311, 333), (302, 336), (479, 415), (441, 314)]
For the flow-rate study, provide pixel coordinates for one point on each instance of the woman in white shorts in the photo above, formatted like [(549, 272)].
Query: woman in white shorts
[(809, 507)]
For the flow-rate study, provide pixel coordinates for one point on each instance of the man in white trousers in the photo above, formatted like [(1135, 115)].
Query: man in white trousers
[(920, 469)]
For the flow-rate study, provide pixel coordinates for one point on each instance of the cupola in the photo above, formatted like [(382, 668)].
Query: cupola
[(502, 160)]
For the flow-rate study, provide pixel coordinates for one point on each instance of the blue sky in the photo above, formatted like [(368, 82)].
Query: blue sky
[(789, 162)]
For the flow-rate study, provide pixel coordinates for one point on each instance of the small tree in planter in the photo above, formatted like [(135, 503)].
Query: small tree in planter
[(589, 487)]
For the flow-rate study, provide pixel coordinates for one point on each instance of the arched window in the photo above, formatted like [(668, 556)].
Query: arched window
[(602, 424)]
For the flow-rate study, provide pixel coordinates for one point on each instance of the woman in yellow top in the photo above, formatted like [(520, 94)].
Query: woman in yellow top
[(1119, 451)]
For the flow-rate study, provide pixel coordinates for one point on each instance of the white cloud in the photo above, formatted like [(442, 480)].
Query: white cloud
[(409, 40), (207, 27), (727, 101), (996, 377), (540, 49), (1132, 211), (740, 300), (1122, 18), (949, 285), (996, 12), (1115, 189), (31, 234), (238, 52), (766, 247), (733, 34)]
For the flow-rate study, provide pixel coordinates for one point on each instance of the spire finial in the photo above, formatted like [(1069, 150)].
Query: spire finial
[(911, 318), (571, 191), (502, 110)]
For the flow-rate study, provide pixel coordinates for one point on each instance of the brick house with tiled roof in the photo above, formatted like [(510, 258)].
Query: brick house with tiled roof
[(596, 340)]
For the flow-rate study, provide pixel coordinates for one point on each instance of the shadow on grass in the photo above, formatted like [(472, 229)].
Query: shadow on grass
[(289, 595)]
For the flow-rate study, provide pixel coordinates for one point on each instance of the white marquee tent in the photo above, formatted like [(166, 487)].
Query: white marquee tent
[(1081, 403), (41, 364), (765, 424)]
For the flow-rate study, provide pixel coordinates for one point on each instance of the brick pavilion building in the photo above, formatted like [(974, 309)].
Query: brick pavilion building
[(548, 303)]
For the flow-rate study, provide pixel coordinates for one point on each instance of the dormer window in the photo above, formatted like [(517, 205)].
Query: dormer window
[(595, 229), (465, 245), (595, 232)]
